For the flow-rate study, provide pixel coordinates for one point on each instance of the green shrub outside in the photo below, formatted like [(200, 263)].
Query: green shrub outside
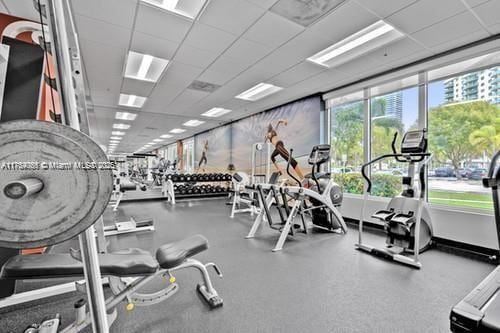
[(383, 185)]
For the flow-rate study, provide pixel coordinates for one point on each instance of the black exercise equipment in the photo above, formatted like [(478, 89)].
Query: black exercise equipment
[(479, 311)]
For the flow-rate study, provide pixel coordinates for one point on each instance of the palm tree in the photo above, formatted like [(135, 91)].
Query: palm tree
[(487, 138)]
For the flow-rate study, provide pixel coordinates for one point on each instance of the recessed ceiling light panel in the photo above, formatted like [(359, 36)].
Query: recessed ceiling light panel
[(177, 130), (215, 112), (259, 91), (117, 133), (121, 126), (193, 123), (359, 43), (132, 101), (125, 116), (144, 67), (166, 136), (186, 8)]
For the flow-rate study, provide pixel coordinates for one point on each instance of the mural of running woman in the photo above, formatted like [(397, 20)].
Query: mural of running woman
[(203, 159), (279, 148)]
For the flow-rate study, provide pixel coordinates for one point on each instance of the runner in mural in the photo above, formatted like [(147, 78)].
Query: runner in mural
[(203, 159), (279, 148)]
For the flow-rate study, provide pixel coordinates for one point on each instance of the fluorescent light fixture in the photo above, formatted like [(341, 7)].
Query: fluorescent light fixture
[(132, 101), (216, 112), (125, 115), (166, 136), (151, 143), (189, 9), (115, 138), (177, 130), (117, 133), (121, 126), (359, 43), (157, 140), (259, 91), (193, 123), (144, 67)]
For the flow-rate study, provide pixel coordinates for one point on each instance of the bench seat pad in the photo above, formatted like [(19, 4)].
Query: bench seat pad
[(174, 254), (129, 262)]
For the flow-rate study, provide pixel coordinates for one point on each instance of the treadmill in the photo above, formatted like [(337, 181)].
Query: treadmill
[(479, 311)]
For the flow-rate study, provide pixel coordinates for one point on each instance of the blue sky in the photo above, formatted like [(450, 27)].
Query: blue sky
[(410, 101)]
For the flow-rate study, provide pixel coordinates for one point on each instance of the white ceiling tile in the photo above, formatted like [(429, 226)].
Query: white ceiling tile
[(158, 47), (230, 66), (266, 4), (459, 41), (425, 13), (22, 9), (234, 16), (180, 74), (448, 30), (342, 22), (104, 98), (161, 24), (219, 78), (209, 38), (272, 30), (489, 12), (186, 99), (247, 51), (102, 58), (161, 97), (137, 87), (3, 9), (193, 56), (92, 29), (297, 73), (474, 3), (395, 51), (119, 12), (384, 8)]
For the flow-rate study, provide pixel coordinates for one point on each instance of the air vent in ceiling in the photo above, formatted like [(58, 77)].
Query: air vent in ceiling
[(304, 12), (203, 86)]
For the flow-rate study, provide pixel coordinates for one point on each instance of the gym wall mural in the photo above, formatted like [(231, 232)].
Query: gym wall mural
[(212, 150), (293, 125)]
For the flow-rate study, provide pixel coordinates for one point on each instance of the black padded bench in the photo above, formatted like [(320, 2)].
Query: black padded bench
[(129, 262)]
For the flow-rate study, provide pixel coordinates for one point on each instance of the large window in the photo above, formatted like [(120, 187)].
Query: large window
[(464, 132), (463, 123), (396, 112), (347, 145)]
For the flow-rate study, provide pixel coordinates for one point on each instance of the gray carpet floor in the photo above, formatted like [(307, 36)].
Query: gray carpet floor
[(318, 283)]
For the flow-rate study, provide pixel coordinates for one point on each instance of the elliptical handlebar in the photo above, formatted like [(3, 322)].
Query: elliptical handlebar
[(425, 157), (493, 177), (393, 143), (288, 168)]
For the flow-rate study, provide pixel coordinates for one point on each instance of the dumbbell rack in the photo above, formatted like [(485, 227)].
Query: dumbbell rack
[(200, 185)]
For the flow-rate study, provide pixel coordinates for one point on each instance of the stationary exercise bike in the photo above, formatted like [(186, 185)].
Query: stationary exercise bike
[(407, 222)]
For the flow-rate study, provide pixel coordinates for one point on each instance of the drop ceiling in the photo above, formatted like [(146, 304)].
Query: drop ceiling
[(236, 44)]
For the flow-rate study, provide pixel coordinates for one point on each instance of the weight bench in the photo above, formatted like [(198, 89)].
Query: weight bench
[(133, 263)]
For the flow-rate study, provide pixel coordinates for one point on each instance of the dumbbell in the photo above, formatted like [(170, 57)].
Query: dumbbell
[(175, 178), (183, 190), (211, 177), (196, 189), (218, 189), (194, 177), (182, 178), (190, 190), (176, 188), (143, 187), (187, 177)]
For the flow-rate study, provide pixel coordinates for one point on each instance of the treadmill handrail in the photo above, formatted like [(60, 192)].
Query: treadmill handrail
[(421, 157)]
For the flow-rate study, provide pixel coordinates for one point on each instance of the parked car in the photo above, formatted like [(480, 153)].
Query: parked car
[(465, 172), (341, 170), (444, 172), (477, 174)]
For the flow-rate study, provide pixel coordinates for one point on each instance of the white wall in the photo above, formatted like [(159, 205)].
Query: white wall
[(474, 228)]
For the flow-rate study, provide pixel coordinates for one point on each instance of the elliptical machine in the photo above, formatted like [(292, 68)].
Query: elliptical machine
[(406, 219)]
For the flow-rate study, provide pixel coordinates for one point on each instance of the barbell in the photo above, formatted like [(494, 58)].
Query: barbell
[(55, 182)]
